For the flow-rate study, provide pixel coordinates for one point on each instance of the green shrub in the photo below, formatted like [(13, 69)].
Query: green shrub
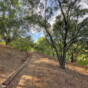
[(83, 62), (22, 44)]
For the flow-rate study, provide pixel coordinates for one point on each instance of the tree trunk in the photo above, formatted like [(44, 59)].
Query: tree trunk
[(7, 41), (72, 59), (53, 52), (62, 62), (75, 57), (62, 65)]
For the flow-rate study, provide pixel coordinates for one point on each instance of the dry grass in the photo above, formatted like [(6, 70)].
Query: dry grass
[(40, 72), (10, 60), (44, 72)]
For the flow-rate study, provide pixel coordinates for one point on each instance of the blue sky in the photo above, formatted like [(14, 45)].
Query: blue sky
[(36, 36)]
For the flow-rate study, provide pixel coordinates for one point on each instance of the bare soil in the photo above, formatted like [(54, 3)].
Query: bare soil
[(10, 60), (44, 72), (40, 72)]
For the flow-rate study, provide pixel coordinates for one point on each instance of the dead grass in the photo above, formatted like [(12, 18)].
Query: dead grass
[(10, 60), (40, 72), (44, 72)]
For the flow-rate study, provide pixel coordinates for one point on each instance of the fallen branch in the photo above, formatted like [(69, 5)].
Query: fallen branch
[(10, 79)]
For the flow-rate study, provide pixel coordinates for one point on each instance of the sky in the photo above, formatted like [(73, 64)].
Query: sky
[(35, 35)]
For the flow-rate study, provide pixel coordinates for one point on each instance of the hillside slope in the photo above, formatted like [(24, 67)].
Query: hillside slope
[(44, 72), (10, 60)]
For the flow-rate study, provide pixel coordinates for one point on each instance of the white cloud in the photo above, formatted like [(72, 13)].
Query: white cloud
[(81, 19), (37, 32), (85, 1), (42, 35), (84, 4), (53, 18), (33, 31)]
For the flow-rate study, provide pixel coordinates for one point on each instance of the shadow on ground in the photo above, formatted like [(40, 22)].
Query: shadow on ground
[(44, 72), (10, 60)]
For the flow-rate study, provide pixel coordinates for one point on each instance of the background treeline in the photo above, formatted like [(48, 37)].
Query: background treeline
[(79, 51)]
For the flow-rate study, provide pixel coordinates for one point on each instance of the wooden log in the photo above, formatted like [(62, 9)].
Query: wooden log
[(3, 86), (10, 79)]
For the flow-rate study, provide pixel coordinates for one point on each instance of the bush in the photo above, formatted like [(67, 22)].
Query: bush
[(22, 44)]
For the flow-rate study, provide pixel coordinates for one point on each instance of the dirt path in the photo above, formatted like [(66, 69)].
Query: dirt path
[(44, 72)]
